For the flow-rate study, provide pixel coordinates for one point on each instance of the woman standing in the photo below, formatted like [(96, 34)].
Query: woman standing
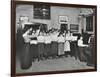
[(40, 40), (54, 46), (67, 44), (47, 45), (74, 46), (91, 55), (26, 60), (61, 40), (33, 45)]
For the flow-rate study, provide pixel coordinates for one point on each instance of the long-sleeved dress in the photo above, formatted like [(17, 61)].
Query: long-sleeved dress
[(74, 47), (26, 59), (47, 46), (61, 41), (54, 45), (41, 50), (34, 48)]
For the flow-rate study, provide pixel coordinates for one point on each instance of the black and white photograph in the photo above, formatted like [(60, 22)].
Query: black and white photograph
[(51, 37)]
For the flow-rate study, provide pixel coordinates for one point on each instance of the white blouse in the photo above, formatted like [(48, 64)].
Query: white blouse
[(47, 39), (25, 36), (54, 37), (33, 42), (80, 43), (61, 39), (37, 32), (67, 38), (40, 39)]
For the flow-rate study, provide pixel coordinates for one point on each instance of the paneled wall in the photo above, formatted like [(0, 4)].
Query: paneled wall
[(56, 11)]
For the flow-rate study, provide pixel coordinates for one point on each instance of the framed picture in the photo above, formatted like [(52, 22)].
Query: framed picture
[(41, 11), (33, 52), (74, 27), (63, 19)]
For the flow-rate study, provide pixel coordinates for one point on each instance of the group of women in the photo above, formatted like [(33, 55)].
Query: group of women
[(43, 45)]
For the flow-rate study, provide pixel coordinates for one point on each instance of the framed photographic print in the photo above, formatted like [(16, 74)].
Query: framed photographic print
[(63, 19), (41, 11), (74, 27), (43, 41)]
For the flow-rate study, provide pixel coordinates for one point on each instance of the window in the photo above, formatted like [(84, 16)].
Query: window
[(89, 23)]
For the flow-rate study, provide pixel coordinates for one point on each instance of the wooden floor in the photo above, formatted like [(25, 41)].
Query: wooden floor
[(65, 63)]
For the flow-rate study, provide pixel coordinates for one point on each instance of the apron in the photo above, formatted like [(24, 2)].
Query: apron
[(67, 46), (67, 43)]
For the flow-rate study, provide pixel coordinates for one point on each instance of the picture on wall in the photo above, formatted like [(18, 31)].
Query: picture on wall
[(41, 11), (63, 19), (74, 27)]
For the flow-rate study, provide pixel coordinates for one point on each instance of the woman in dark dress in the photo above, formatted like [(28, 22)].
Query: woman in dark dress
[(61, 40), (26, 60), (47, 45), (67, 44), (40, 39), (91, 52), (19, 41), (33, 45), (54, 45), (74, 46)]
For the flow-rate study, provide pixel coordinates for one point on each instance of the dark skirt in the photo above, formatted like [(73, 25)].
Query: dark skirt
[(74, 49), (19, 43), (60, 48), (82, 55), (40, 50), (54, 49), (34, 50), (47, 50), (89, 56), (26, 60)]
